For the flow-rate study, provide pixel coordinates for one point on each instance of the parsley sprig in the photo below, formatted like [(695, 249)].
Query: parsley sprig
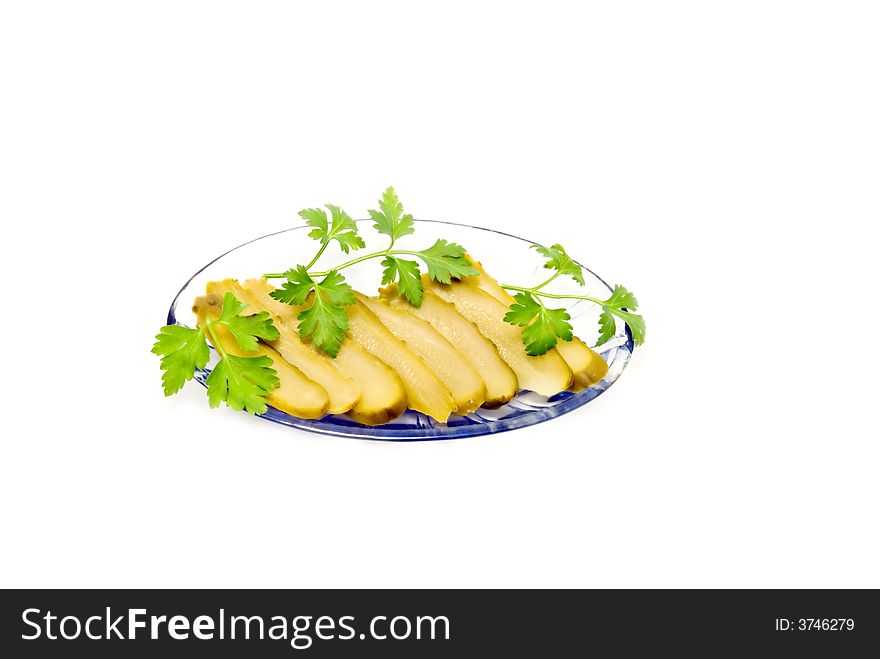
[(324, 318), (543, 327), (324, 294), (241, 382)]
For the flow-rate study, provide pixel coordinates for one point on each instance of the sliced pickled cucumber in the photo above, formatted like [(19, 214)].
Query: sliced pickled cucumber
[(425, 391), (297, 395), (383, 396), (499, 378), (341, 389), (448, 364), (587, 365), (546, 375)]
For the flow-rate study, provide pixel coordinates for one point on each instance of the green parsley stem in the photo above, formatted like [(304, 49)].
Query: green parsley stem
[(539, 286), (360, 259), (318, 255), (535, 291), (347, 264), (366, 257), (404, 251), (209, 325)]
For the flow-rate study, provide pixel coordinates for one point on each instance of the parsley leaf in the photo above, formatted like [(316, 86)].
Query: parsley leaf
[(183, 350), (334, 288), (561, 261), (621, 303), (607, 327), (390, 219), (523, 311), (408, 277), (246, 329), (342, 228), (635, 322), (540, 336), (242, 382), (316, 217), (325, 319), (446, 261), (541, 326), (297, 287), (325, 323), (622, 299)]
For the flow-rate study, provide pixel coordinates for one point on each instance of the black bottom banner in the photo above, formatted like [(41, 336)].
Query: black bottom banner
[(438, 623)]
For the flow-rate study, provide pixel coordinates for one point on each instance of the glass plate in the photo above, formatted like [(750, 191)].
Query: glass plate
[(507, 258)]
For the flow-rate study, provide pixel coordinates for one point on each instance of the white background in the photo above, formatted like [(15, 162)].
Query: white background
[(720, 159)]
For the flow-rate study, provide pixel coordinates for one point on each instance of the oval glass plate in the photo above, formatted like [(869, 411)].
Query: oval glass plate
[(505, 257)]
